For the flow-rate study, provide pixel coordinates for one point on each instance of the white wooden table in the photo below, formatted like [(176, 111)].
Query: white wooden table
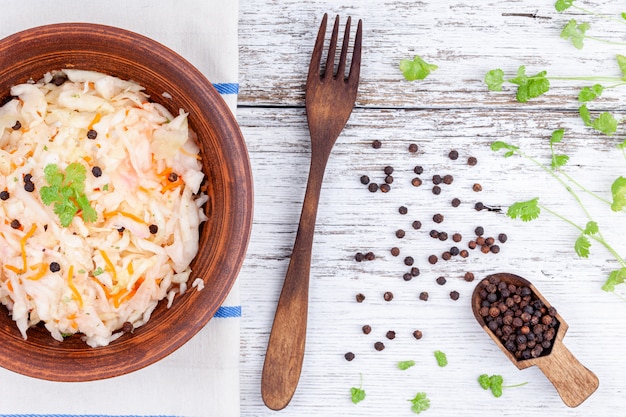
[(451, 109)]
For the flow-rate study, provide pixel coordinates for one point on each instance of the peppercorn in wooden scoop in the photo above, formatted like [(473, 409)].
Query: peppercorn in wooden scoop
[(530, 332)]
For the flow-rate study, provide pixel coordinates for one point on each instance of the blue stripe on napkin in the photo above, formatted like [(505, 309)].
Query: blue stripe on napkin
[(226, 312), (227, 88)]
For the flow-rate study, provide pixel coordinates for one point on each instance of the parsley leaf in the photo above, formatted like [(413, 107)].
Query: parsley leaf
[(575, 33), (562, 5), (420, 403), (416, 69), (590, 93), (582, 245), (618, 191), (442, 360), (621, 61), (557, 160), (499, 145), (404, 365), (357, 395), (615, 278), (494, 383), (66, 190), (605, 123), (494, 79), (530, 87), (525, 210)]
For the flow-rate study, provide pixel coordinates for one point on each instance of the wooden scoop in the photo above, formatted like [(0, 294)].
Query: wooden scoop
[(573, 381)]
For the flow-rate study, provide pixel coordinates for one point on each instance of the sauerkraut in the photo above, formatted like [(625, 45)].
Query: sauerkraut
[(100, 205)]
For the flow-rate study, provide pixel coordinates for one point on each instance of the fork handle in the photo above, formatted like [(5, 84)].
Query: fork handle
[(285, 350)]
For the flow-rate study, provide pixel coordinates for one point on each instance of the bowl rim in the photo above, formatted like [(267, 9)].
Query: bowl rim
[(90, 364)]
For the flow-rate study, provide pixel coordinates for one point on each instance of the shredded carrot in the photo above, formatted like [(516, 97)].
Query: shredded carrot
[(43, 267), (123, 213), (70, 283), (95, 120), (197, 156), (9, 286), (172, 185), (87, 158), (130, 268), (109, 265), (125, 295), (23, 248)]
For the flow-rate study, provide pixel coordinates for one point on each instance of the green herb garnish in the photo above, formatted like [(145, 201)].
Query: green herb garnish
[(67, 191), (404, 365), (494, 383), (442, 360), (357, 394), (416, 69), (420, 403)]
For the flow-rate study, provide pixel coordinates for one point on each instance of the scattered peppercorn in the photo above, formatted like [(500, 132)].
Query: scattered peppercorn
[(173, 177), (29, 186), (424, 296), (389, 179), (403, 210), (408, 261), (391, 335), (379, 346), (17, 125), (436, 190), (407, 276), (437, 179), (360, 298), (96, 171), (416, 182), (388, 296), (455, 202), (454, 251), (464, 253), (494, 249), (359, 257), (441, 280), (349, 356), (419, 170), (479, 231), (153, 229), (417, 225), (15, 224), (446, 256), (477, 187), (502, 237), (365, 179), (373, 187), (447, 179), (469, 277), (385, 188), (413, 148), (388, 170), (454, 295), (4, 195), (395, 251), (432, 259), (417, 334), (415, 271), (479, 206), (92, 134), (457, 237), (454, 155), (443, 236), (471, 161), (376, 144), (55, 267), (400, 233), (367, 329), (59, 79), (438, 218)]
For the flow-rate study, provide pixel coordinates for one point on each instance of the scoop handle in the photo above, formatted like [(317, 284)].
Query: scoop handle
[(572, 380)]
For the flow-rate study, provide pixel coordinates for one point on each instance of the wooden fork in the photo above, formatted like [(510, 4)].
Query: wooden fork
[(330, 98)]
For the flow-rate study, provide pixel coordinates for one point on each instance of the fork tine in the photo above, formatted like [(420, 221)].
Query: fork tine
[(341, 68), (316, 56), (355, 66), (330, 61)]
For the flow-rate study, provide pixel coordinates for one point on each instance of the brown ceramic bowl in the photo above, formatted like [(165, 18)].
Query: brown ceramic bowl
[(224, 237)]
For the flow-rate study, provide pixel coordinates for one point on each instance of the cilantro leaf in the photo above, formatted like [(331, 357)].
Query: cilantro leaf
[(357, 395), (585, 115), (605, 123), (616, 277), (582, 245), (483, 380), (591, 228), (494, 79), (499, 145), (530, 87), (66, 191), (557, 136), (404, 365), (416, 69), (562, 5), (621, 61), (559, 160), (575, 33), (442, 360), (618, 191), (590, 93), (420, 403), (493, 383), (525, 210)]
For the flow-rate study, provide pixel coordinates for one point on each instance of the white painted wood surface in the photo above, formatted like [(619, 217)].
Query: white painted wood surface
[(451, 109)]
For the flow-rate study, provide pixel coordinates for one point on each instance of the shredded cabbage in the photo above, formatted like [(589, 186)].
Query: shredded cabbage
[(143, 179)]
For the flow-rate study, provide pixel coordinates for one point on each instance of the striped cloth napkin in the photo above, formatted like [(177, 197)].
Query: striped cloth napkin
[(201, 378)]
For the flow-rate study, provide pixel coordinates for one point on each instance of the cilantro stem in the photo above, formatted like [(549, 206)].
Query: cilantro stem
[(516, 385), (583, 188), (594, 38), (604, 16), (589, 78)]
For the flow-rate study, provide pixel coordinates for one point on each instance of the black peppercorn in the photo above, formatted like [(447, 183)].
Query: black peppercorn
[(373, 187), (349, 356), (365, 179), (376, 144), (417, 334), (400, 233), (479, 206), (408, 261), (17, 125), (29, 186), (454, 295), (416, 182), (395, 251), (385, 188), (367, 329), (436, 190), (153, 229), (389, 179), (455, 202), (471, 161), (388, 170), (15, 224), (403, 210), (417, 225), (96, 171), (418, 170), (424, 296), (379, 346), (415, 271), (4, 195), (360, 298), (388, 296), (55, 267), (479, 231), (437, 179), (453, 155), (432, 259), (502, 237), (438, 218), (413, 148), (92, 134), (447, 179), (441, 280), (391, 335)]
